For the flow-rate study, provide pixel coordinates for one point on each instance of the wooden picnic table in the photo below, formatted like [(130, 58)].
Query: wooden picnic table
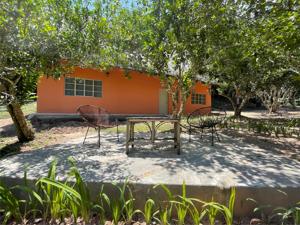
[(153, 123)]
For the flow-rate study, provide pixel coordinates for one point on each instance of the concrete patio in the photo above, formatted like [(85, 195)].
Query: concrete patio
[(256, 166), (236, 161)]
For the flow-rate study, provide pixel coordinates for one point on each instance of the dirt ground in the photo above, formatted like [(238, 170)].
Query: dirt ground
[(46, 134)]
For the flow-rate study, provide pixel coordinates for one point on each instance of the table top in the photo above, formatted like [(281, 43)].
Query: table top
[(152, 118)]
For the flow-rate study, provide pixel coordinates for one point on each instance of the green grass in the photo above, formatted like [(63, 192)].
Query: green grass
[(27, 109)]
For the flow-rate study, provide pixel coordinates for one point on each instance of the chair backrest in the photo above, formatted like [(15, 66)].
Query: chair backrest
[(95, 116)]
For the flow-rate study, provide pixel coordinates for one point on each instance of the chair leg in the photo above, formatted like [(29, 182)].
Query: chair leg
[(85, 135), (201, 135), (217, 134), (190, 133), (99, 136), (118, 133), (212, 136)]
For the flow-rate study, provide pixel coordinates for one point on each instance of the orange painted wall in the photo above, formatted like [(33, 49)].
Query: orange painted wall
[(138, 94), (199, 88)]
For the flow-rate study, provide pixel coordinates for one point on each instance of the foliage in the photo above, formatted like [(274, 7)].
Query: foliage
[(161, 40), (228, 210), (278, 127), (59, 198), (212, 211), (196, 215), (274, 97), (259, 47), (122, 206), (290, 215), (85, 202), (149, 211), (48, 37), (177, 40), (55, 200), (10, 205), (287, 214), (277, 56)]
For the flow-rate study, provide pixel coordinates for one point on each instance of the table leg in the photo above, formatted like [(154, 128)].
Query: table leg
[(212, 136), (174, 134), (127, 136), (153, 132), (177, 139), (132, 134)]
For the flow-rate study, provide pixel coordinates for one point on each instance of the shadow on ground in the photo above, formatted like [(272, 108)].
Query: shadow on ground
[(236, 160), (10, 149)]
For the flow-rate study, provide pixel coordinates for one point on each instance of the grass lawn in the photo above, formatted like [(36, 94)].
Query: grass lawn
[(27, 109)]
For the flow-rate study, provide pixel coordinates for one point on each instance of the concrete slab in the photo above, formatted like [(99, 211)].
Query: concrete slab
[(257, 167), (232, 162)]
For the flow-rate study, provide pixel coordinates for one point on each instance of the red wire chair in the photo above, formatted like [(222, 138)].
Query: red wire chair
[(97, 117)]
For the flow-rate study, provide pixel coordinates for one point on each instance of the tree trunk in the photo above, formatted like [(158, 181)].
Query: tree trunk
[(292, 101), (237, 111), (236, 104), (24, 131)]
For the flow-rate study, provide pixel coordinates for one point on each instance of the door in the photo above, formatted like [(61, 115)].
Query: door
[(163, 101)]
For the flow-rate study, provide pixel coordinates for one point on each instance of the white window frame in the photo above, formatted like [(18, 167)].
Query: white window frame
[(84, 88), (198, 99)]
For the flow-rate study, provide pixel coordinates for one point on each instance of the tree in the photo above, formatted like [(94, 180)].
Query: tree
[(229, 32), (249, 44), (162, 36), (47, 37), (278, 54), (23, 53), (273, 97)]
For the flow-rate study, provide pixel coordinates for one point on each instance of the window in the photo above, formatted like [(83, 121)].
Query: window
[(82, 87), (69, 86), (97, 88), (198, 99)]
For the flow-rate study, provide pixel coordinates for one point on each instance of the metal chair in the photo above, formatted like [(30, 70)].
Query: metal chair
[(205, 118), (97, 117)]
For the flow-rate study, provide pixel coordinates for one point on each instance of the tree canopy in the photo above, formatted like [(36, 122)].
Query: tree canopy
[(49, 37), (243, 46)]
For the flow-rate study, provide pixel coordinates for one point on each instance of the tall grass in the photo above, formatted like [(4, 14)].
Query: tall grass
[(85, 202), (10, 206), (121, 207), (149, 211)]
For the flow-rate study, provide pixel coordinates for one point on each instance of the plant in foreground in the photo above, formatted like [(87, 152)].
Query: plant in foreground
[(121, 206), (9, 205), (228, 210), (85, 203), (166, 207), (165, 214), (56, 200), (212, 210), (128, 207), (181, 206), (288, 214), (196, 216), (149, 211)]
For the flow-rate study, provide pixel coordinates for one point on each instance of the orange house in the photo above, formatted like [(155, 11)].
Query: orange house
[(139, 93)]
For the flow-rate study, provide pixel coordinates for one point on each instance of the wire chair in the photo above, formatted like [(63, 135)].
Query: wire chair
[(205, 118), (97, 117)]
